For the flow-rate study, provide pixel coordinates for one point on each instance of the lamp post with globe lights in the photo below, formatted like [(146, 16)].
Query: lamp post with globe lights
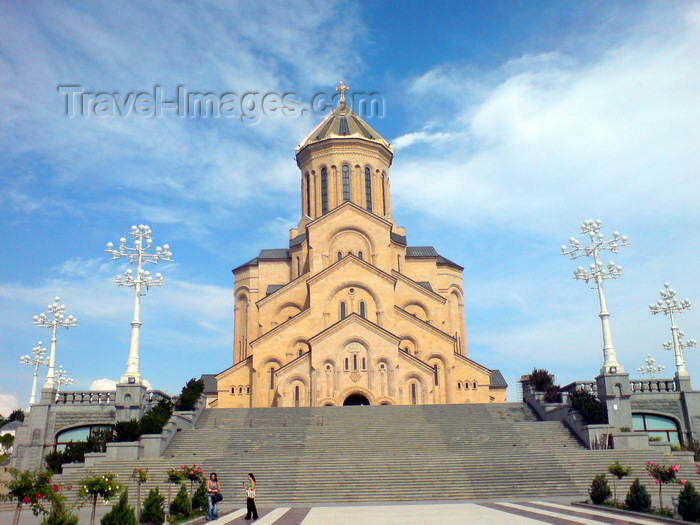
[(53, 318), (36, 361), (668, 304), (61, 378), (139, 256), (651, 368), (596, 274), (683, 345)]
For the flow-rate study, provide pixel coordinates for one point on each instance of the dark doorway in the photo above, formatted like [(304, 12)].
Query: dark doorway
[(355, 399)]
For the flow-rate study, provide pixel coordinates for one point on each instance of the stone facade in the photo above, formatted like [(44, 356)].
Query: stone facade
[(349, 313)]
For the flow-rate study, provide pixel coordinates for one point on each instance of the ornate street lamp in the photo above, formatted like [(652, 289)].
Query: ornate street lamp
[(38, 360), (650, 368), (138, 255), (668, 304), (683, 345), (597, 273), (61, 378), (53, 320)]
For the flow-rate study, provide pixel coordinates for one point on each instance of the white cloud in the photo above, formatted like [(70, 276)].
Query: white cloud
[(103, 384), (8, 403)]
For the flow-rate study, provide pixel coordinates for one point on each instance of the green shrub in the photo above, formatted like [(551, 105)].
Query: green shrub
[(60, 514), (152, 511), (54, 461), (181, 505), (155, 419), (638, 499), (190, 394), (599, 491), (592, 411), (121, 513), (694, 447), (553, 394), (199, 500), (541, 379), (126, 431), (689, 503), (617, 470)]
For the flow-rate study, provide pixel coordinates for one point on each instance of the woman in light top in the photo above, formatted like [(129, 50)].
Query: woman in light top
[(213, 488), (250, 497)]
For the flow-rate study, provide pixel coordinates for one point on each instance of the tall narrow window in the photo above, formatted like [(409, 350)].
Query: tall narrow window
[(324, 190), (308, 195), (272, 378), (359, 256), (362, 309), (340, 255), (346, 183), (354, 362), (437, 378), (383, 194), (364, 363), (414, 396), (296, 395), (342, 310), (368, 189), (347, 364)]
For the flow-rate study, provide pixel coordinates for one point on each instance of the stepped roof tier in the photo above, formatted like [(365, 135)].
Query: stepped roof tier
[(349, 313)]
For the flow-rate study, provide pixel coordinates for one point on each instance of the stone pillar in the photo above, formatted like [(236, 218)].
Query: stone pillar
[(36, 435), (690, 407), (683, 383), (614, 392), (130, 401)]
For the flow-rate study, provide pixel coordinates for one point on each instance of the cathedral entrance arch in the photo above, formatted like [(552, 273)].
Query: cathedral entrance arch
[(355, 400)]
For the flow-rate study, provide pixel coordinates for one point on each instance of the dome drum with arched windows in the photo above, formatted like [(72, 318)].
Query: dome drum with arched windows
[(349, 313)]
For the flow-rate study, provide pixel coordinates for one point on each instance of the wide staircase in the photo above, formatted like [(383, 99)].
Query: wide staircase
[(389, 453)]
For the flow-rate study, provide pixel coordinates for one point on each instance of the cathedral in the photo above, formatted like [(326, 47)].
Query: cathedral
[(349, 313)]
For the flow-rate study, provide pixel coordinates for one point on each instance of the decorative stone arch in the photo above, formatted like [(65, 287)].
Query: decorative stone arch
[(326, 402), (241, 319), (418, 309), (367, 247), (385, 401), (296, 344), (455, 315), (355, 284), (286, 311), (269, 363), (357, 390), (301, 381), (365, 347), (385, 360), (410, 342)]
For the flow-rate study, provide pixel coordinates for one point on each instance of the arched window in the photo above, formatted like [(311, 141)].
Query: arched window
[(466, 385), (459, 385), (359, 255), (362, 309), (354, 362), (414, 396), (368, 189), (657, 426), (346, 183), (340, 255), (240, 390), (298, 266), (247, 390), (347, 364), (342, 310), (296, 395), (324, 191), (233, 389), (308, 195), (272, 377), (364, 363), (301, 352), (436, 374), (474, 385)]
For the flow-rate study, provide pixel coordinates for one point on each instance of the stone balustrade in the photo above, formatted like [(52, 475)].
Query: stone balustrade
[(98, 397), (653, 385)]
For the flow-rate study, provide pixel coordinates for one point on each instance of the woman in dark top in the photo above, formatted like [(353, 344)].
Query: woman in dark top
[(250, 497), (213, 487)]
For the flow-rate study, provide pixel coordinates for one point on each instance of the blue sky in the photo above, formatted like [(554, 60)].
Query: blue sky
[(512, 122)]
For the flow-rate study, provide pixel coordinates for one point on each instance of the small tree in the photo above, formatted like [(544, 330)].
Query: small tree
[(126, 431), (599, 491), (638, 499), (541, 379), (175, 476), (155, 419), (104, 486), (16, 415), (619, 472), (181, 505), (153, 508), (27, 488), (663, 475), (689, 503), (199, 500), (141, 476), (194, 474), (592, 411), (121, 513), (60, 513), (190, 394), (7, 440)]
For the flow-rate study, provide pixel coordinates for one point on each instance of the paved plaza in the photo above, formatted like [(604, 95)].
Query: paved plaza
[(484, 512)]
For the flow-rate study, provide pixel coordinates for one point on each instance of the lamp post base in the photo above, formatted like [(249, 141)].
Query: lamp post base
[(614, 392)]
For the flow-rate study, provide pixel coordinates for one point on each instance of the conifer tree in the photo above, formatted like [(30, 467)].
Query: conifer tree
[(152, 511), (121, 513)]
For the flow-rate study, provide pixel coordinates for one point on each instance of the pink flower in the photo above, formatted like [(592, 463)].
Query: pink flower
[(55, 488), (25, 500), (675, 468), (38, 495), (650, 474), (648, 462), (657, 482), (6, 467), (194, 466), (191, 473), (681, 482), (70, 487), (182, 467)]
